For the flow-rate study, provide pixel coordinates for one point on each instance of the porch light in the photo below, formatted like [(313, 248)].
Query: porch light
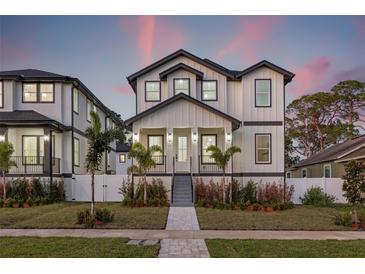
[(2, 138), (46, 138), (194, 137), (169, 138), (228, 137)]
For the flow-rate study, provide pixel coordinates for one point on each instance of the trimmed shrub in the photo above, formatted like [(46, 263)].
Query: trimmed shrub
[(272, 193), (317, 197), (343, 219), (248, 193), (208, 195), (127, 192), (19, 190), (105, 215)]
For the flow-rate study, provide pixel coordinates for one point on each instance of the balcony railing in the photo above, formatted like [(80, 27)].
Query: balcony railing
[(31, 165), (160, 166), (208, 165)]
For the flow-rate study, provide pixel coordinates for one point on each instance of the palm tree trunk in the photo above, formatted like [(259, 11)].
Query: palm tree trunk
[(224, 189), (92, 211), (230, 192), (4, 185), (145, 189)]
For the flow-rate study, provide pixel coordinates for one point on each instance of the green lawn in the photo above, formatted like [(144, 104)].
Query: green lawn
[(65, 247), (298, 218), (63, 215), (286, 248)]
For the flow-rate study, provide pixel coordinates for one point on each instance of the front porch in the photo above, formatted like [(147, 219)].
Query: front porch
[(184, 149)]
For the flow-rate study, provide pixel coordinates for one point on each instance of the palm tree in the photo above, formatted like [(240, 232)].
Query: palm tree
[(6, 150), (144, 158), (221, 160), (98, 144)]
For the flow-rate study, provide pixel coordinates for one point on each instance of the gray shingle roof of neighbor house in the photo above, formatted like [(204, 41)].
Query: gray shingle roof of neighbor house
[(35, 74), (20, 117), (181, 96), (231, 74), (123, 147), (335, 152)]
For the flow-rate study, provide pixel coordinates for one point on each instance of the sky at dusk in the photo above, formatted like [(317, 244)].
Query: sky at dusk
[(103, 50)]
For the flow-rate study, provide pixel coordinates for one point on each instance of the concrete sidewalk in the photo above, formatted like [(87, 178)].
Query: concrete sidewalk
[(187, 234)]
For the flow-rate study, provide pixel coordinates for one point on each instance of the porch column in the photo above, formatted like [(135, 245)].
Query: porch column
[(195, 149), (47, 138), (169, 150)]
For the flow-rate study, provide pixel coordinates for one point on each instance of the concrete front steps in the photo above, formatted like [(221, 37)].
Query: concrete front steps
[(181, 192)]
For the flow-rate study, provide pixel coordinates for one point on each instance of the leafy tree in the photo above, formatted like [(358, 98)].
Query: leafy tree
[(354, 185), (221, 159), (98, 144), (145, 161), (351, 99), (6, 150)]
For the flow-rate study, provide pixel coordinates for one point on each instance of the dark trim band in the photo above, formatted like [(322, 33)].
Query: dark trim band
[(263, 123)]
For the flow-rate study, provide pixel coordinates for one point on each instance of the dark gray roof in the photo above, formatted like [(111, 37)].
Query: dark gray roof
[(36, 74), (29, 117), (357, 154), (334, 152), (231, 74), (123, 147), (181, 96)]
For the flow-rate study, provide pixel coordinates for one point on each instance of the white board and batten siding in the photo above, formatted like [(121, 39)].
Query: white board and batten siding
[(331, 186)]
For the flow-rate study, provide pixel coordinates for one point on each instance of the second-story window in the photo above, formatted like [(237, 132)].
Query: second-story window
[(29, 92), (1, 95), (152, 91), (182, 86), (209, 90), (75, 105), (263, 92), (89, 106), (46, 92)]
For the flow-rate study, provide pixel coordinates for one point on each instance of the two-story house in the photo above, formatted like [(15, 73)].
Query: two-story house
[(185, 103), (44, 115)]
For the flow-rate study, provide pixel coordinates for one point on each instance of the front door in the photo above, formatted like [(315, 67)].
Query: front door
[(182, 156)]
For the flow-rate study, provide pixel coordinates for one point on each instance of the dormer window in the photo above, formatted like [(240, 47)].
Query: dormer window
[(263, 92), (152, 91), (209, 90), (182, 85)]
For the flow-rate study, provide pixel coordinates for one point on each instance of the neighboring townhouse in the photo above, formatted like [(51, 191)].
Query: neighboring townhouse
[(44, 115), (330, 163), (185, 103), (122, 161)]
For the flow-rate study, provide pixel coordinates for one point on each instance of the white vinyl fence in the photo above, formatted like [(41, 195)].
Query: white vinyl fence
[(106, 188), (331, 186)]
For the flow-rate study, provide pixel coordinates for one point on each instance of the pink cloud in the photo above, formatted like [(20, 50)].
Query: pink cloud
[(254, 31), (311, 76), (359, 29), (152, 35), (123, 89), (12, 52)]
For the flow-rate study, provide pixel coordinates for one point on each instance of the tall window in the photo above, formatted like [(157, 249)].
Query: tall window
[(263, 149), (46, 92), (304, 173), (29, 92), (152, 91), (156, 140), (122, 158), (182, 86), (89, 106), (263, 92), (76, 151), (208, 140), (1, 95), (33, 149), (182, 146), (209, 91), (75, 105), (327, 171)]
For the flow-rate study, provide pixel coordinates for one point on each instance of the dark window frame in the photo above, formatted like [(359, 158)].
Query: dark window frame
[(270, 148), (78, 100), (163, 148), (145, 90), (38, 93), (73, 155), (2, 94), (125, 158), (216, 91), (306, 172), (270, 93), (174, 79), (330, 170), (201, 147), (38, 148)]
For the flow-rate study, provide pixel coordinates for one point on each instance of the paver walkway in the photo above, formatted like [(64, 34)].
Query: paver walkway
[(183, 219)]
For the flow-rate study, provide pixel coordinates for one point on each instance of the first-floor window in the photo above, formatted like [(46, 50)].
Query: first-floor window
[(304, 173), (76, 151), (1, 95), (182, 153), (288, 175), (33, 149), (263, 148), (208, 140), (156, 140), (122, 158), (327, 171)]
